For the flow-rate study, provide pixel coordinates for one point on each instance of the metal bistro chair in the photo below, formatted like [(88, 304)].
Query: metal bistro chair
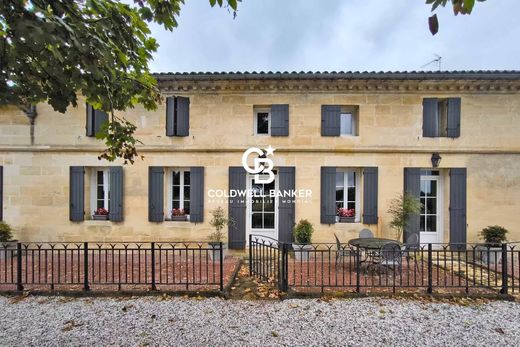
[(342, 251), (391, 255), (411, 248), (366, 234)]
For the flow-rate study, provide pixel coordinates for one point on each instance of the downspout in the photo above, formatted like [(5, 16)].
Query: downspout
[(31, 113)]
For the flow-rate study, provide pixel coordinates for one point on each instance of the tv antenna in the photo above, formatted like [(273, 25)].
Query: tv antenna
[(437, 61)]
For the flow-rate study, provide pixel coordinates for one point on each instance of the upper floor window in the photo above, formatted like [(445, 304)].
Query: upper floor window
[(262, 121), (441, 117), (95, 119), (271, 120), (339, 120)]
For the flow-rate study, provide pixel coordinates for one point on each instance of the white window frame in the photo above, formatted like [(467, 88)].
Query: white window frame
[(357, 178), (354, 114), (169, 204), (94, 185), (256, 111), (437, 235), (273, 233)]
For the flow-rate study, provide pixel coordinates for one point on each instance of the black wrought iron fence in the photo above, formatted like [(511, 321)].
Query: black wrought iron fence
[(411, 268), (129, 265)]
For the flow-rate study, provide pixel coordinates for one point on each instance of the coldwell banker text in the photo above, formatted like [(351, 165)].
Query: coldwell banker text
[(252, 193)]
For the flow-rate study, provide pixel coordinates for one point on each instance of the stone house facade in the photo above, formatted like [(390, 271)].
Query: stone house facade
[(353, 141)]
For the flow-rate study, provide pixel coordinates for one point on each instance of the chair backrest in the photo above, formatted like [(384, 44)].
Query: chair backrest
[(391, 251), (365, 234), (338, 244), (412, 242)]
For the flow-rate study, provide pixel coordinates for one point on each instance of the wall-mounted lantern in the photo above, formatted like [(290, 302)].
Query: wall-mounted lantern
[(436, 159)]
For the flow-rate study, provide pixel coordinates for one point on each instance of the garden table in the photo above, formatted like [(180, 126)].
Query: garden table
[(371, 246)]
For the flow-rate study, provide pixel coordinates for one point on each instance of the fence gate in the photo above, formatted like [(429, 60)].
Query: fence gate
[(268, 260)]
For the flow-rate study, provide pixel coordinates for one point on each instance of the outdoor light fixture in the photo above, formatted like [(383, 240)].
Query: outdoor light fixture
[(436, 159)]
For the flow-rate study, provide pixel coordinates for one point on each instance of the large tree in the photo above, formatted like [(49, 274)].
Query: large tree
[(53, 50)]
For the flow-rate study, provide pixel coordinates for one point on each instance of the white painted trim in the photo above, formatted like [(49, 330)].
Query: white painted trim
[(93, 187), (169, 190), (439, 234), (358, 177), (273, 233), (256, 111)]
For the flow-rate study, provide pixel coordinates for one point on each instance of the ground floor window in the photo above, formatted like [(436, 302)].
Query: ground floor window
[(263, 206), (179, 192), (100, 191), (347, 194), (430, 201)]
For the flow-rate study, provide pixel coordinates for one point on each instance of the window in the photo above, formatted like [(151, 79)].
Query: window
[(263, 206), (347, 193), (179, 192), (99, 189), (95, 120), (441, 117), (262, 121), (348, 121)]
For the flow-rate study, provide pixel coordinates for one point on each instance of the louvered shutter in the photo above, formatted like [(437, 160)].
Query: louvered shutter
[(196, 194), (286, 182), (330, 120), (116, 194), (183, 116), (77, 193), (458, 224), (430, 117), (170, 109), (156, 194), (280, 120), (237, 209), (370, 195), (412, 187), (328, 195), (454, 105)]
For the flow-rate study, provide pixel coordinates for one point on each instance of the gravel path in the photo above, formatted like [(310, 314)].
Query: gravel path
[(58, 321)]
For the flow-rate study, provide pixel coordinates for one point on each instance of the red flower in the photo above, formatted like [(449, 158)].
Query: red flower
[(101, 211), (346, 212), (178, 212)]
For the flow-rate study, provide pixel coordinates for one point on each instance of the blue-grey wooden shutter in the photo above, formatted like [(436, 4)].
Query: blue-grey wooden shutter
[(196, 194), (286, 182), (1, 193), (116, 194), (237, 209), (77, 194), (90, 121), (328, 195), (430, 117), (183, 116), (370, 190), (280, 120), (330, 120), (412, 187), (156, 194), (458, 226), (453, 117), (170, 110)]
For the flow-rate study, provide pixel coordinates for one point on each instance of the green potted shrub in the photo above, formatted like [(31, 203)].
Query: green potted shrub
[(302, 233), (219, 220), (493, 236), (402, 207), (6, 241)]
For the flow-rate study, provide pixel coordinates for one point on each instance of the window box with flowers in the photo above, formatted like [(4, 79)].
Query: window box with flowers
[(100, 214), (346, 215), (179, 215)]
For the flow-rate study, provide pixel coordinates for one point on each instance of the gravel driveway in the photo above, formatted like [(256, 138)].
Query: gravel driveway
[(191, 322)]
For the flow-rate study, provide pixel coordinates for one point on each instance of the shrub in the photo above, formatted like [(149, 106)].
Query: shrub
[(494, 235), (303, 232), (219, 221), (6, 234), (400, 209)]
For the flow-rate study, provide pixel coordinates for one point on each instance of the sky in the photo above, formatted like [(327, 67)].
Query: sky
[(338, 35)]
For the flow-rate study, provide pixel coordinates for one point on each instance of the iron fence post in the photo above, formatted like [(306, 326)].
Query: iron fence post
[(19, 285), (152, 250), (357, 259), (505, 277), (282, 269), (430, 266), (250, 256), (221, 251), (286, 268), (85, 267)]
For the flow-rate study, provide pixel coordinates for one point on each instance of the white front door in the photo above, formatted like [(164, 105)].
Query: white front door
[(262, 209), (431, 226)]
